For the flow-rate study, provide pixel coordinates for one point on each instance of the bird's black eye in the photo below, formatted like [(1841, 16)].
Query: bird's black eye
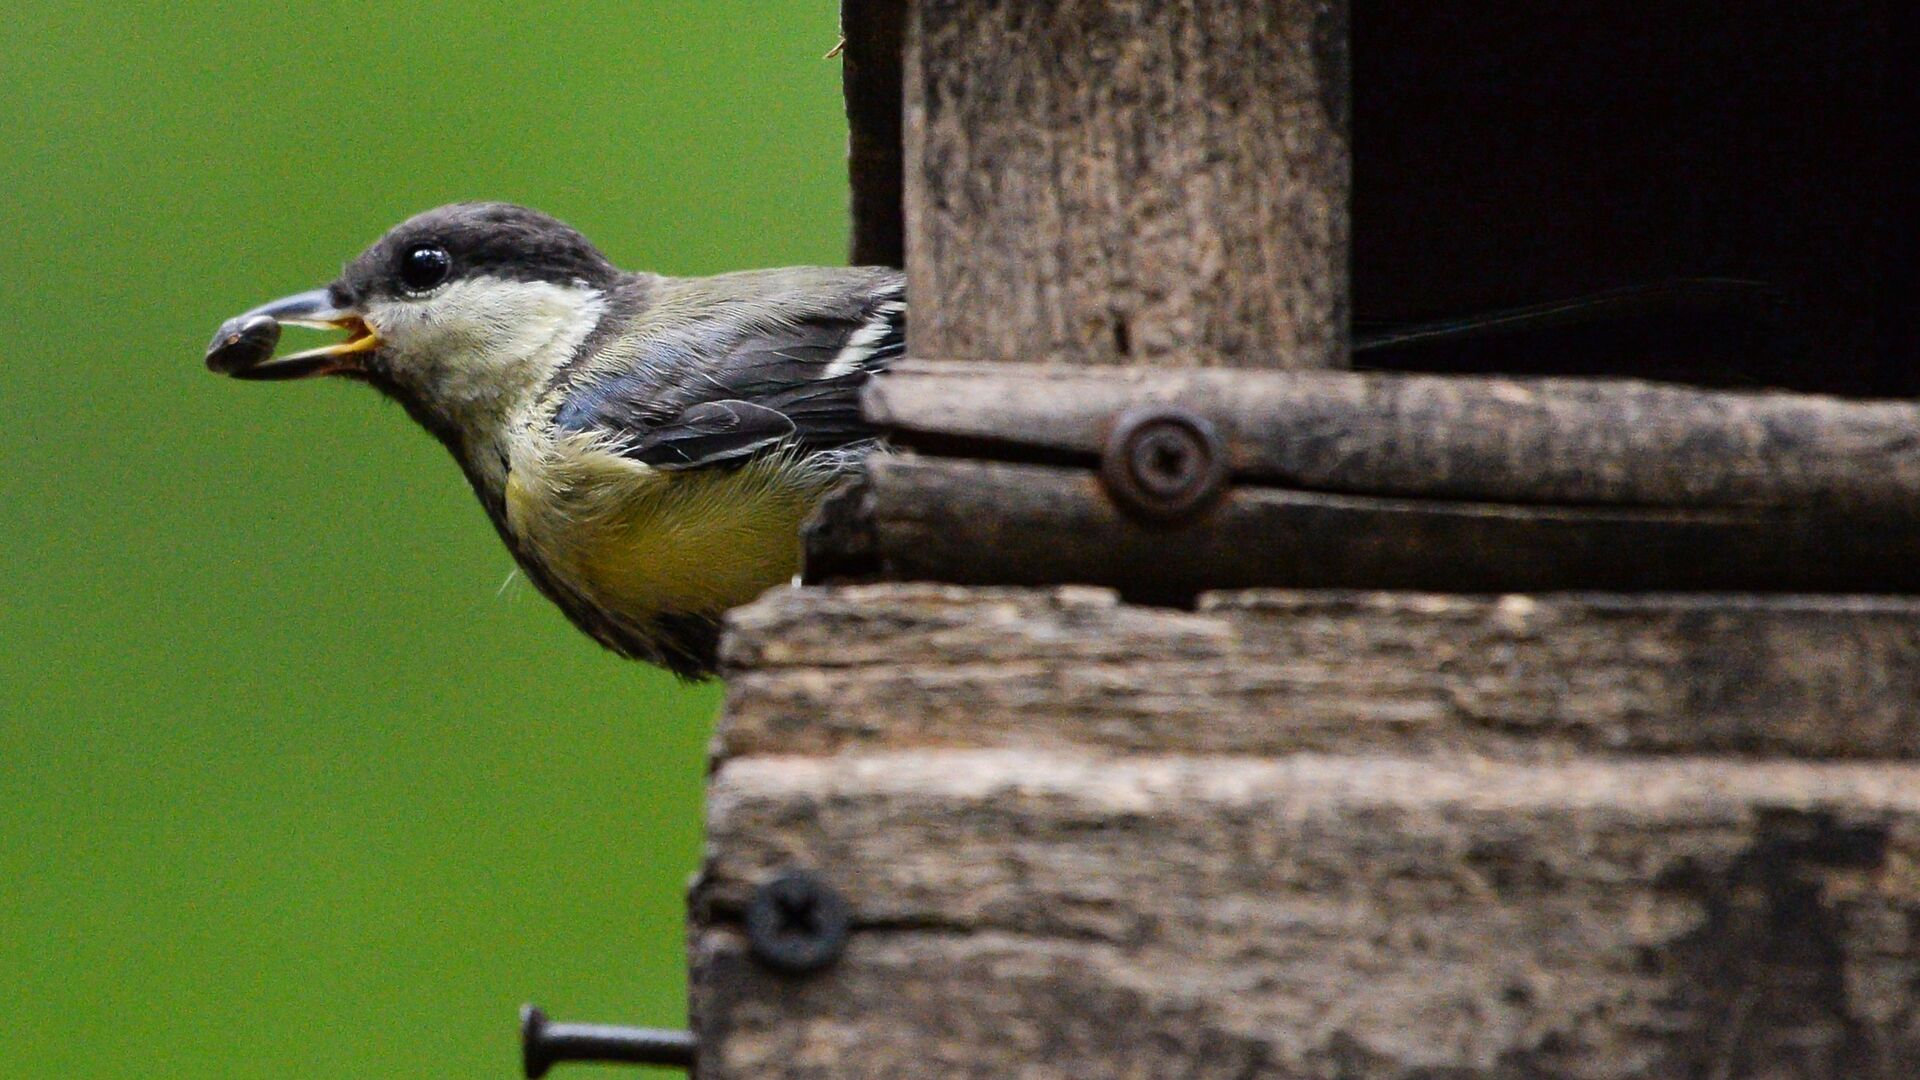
[(425, 266)]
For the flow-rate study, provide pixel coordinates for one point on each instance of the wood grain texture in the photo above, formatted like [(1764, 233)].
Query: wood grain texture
[(1035, 914), (896, 667), (988, 523), (1355, 835), (1127, 181), (1565, 441), (874, 42)]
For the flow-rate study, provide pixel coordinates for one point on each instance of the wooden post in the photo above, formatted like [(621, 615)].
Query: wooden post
[(873, 47), (1126, 181), (1111, 183)]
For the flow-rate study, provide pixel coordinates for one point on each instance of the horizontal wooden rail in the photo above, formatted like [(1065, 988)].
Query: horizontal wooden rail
[(897, 667), (1345, 480), (1485, 439)]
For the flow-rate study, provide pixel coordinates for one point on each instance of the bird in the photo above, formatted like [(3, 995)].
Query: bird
[(647, 447)]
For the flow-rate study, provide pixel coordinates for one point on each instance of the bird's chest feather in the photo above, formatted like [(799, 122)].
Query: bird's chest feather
[(640, 541)]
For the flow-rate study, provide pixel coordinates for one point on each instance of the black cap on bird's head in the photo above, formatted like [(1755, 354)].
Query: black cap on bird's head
[(471, 240), (417, 261)]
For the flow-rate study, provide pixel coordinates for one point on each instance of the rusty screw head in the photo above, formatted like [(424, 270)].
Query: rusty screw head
[(1163, 463), (796, 924)]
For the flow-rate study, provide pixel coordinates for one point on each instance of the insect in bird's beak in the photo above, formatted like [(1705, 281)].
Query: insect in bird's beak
[(243, 346)]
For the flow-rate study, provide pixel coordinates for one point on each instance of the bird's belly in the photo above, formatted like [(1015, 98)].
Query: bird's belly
[(643, 542)]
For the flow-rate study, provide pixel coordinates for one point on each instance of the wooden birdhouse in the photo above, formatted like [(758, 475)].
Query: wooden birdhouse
[(1397, 560)]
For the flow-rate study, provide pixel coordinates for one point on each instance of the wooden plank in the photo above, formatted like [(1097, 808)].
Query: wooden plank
[(1566, 441), (873, 34), (893, 667), (1128, 181), (994, 523), (1068, 915)]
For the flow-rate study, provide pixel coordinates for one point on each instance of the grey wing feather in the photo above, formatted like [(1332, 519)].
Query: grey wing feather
[(730, 389), (711, 433)]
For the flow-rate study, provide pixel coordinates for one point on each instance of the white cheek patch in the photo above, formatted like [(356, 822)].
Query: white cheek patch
[(480, 349), (483, 321)]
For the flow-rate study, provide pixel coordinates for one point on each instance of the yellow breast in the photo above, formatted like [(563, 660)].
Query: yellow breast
[(642, 541)]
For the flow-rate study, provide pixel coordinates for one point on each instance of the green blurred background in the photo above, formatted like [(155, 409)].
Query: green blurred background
[(290, 784)]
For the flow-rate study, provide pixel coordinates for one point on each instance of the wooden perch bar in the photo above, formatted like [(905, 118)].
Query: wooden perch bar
[(988, 523), (1342, 479), (1568, 442)]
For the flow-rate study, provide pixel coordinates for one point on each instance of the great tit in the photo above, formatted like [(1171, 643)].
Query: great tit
[(646, 446)]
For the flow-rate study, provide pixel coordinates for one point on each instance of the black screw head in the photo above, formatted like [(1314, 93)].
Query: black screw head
[(1163, 463), (536, 1054), (545, 1043), (796, 924)]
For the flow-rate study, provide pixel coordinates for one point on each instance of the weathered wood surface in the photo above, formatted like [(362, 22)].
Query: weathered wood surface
[(992, 523), (1558, 441), (1119, 181), (873, 35), (1306, 834), (1322, 834), (884, 668), (1057, 914)]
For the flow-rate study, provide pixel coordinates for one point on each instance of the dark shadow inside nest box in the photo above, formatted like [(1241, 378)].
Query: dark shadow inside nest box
[(1710, 192)]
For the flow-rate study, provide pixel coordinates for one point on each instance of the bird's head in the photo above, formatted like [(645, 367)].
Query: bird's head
[(462, 306)]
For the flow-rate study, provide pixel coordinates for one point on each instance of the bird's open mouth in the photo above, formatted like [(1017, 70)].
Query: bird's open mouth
[(243, 346)]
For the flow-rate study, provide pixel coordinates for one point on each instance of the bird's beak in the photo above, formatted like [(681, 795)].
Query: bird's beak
[(243, 346)]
